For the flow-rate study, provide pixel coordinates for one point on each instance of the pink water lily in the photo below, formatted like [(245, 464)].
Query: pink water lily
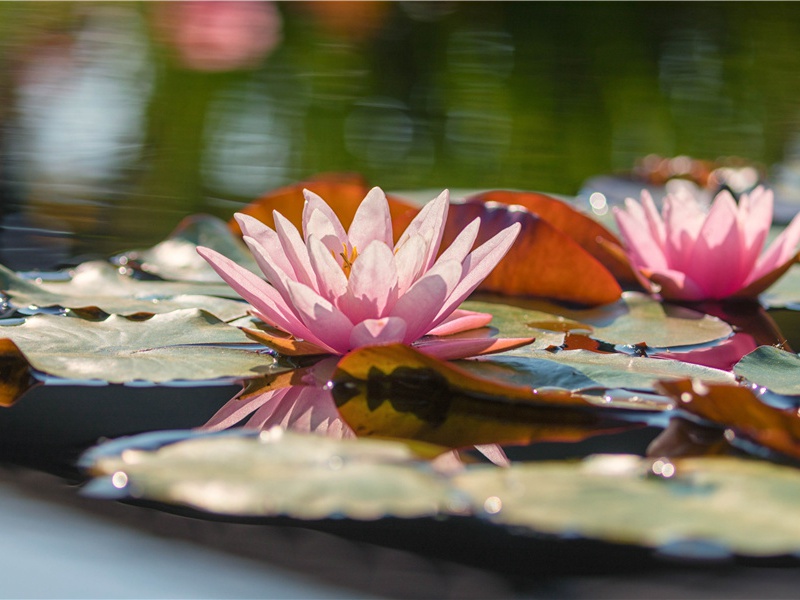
[(338, 290), (693, 253)]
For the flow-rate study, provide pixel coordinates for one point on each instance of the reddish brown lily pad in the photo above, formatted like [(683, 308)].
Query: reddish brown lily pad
[(593, 237), (395, 391), (738, 409), (15, 373), (543, 262)]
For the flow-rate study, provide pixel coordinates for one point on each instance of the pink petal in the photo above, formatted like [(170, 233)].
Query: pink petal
[(319, 226), (654, 221), (323, 224), (409, 260), (495, 453), (264, 298), (372, 286), (327, 322), (237, 409), (477, 266), (643, 249), (451, 349), (372, 221), (274, 275), (331, 280), (373, 332), (421, 304), (676, 285), (755, 220), (277, 413), (429, 223), (461, 320), (715, 261), (683, 218), (461, 246), (266, 238), (779, 251), (295, 249)]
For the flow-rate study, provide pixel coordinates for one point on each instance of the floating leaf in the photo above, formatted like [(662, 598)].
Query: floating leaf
[(688, 506), (588, 233), (281, 473), (786, 292), (694, 507), (176, 258), (170, 346), (635, 319), (543, 262), (582, 369), (15, 373), (396, 391), (773, 368), (99, 285), (736, 408)]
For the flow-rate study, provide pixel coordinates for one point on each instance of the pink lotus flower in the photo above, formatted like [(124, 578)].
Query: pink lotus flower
[(696, 254), (340, 290)]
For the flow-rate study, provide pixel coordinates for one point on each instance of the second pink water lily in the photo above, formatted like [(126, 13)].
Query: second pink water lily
[(338, 290), (696, 253)]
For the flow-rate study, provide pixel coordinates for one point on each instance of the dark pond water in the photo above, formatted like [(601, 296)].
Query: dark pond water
[(117, 119)]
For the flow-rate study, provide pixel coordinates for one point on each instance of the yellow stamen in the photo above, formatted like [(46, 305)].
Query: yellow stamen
[(348, 259)]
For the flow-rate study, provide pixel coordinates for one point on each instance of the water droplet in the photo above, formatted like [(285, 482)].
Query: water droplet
[(335, 463), (663, 468), (493, 505), (119, 480), (271, 435), (700, 388), (686, 397)]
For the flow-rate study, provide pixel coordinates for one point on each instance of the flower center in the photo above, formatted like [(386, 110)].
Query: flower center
[(348, 258)]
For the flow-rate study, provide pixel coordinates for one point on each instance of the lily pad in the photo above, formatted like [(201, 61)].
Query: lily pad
[(736, 409), (635, 319), (773, 368), (184, 344), (282, 473), (732, 505), (586, 231), (543, 262), (785, 293), (686, 506), (396, 391), (99, 285), (582, 369), (176, 258)]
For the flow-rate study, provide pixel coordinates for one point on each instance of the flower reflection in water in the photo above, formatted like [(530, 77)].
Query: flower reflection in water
[(305, 404)]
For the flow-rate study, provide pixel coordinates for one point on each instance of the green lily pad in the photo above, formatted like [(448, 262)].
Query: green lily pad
[(581, 369), (176, 257), (98, 284), (170, 346), (785, 293), (283, 473), (773, 368), (683, 506), (635, 319), (735, 505)]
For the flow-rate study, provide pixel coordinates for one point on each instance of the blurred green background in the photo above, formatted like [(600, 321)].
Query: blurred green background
[(119, 118)]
